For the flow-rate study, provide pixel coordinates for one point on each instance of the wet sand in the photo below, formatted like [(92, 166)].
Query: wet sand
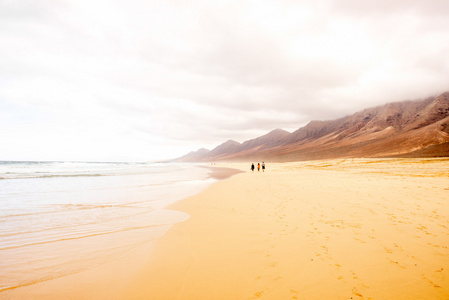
[(339, 229)]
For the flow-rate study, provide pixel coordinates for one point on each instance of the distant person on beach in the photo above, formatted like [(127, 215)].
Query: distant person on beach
[(263, 167), (252, 167), (258, 167)]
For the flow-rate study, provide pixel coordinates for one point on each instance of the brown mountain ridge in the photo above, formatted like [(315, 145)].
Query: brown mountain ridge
[(400, 129)]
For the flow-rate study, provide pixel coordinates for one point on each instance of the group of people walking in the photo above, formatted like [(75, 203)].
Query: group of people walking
[(258, 167)]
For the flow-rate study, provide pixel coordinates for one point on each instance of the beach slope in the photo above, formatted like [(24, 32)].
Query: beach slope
[(335, 229), (368, 229)]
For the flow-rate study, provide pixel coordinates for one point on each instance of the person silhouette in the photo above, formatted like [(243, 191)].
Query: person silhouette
[(252, 167)]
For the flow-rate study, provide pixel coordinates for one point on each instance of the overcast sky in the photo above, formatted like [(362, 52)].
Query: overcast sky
[(134, 80)]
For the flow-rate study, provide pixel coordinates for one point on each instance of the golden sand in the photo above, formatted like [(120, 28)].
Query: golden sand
[(340, 229)]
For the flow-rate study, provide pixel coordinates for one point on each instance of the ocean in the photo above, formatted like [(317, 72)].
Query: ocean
[(60, 218)]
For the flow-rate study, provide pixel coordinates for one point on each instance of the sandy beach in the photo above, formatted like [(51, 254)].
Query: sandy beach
[(335, 229)]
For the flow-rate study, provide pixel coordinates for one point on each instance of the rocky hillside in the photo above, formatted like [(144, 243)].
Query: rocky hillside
[(408, 129)]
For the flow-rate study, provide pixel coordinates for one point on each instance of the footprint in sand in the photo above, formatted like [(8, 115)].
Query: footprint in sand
[(258, 294), (431, 282), (356, 292), (398, 264), (399, 247)]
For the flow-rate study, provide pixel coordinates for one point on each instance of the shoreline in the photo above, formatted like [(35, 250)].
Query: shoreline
[(62, 286), (307, 230), (222, 173)]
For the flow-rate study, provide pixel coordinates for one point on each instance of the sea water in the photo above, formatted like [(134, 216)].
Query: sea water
[(60, 218)]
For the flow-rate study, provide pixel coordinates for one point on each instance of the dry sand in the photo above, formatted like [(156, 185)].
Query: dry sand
[(340, 229)]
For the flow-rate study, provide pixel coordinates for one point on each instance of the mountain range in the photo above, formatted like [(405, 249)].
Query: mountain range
[(417, 128)]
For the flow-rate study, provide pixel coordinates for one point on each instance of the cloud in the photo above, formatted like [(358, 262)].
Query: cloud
[(431, 8), (137, 80)]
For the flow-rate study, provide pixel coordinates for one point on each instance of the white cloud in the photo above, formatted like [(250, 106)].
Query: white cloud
[(143, 80)]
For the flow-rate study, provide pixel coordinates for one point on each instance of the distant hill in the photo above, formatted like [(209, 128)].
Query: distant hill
[(401, 129)]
